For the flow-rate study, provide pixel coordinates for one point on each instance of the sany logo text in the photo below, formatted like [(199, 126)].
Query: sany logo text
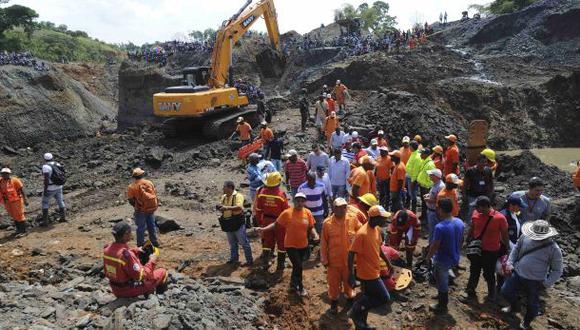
[(169, 106)]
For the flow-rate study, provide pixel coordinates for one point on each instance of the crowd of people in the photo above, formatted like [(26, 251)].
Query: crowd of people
[(22, 59), (359, 205), (364, 199), (160, 53)]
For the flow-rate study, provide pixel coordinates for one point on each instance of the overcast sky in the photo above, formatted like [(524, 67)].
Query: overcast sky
[(142, 21)]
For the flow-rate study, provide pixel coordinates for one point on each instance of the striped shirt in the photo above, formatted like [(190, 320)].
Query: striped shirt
[(314, 197), (296, 172), (348, 155)]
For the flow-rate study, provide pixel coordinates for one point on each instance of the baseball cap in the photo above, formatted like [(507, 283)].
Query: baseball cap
[(451, 138), (426, 151), (320, 168), (340, 202), (379, 211), (6, 170), (438, 149), (406, 139), (264, 122), (120, 228), (418, 138), (240, 119), (383, 148), (513, 200), (354, 134), (292, 152), (381, 132), (333, 114), (48, 156), (374, 142), (453, 178), (300, 195), (366, 160), (436, 172), (138, 172)]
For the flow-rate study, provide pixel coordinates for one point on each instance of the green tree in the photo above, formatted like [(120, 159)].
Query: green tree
[(209, 34), (197, 35), (15, 16), (374, 18), (508, 6)]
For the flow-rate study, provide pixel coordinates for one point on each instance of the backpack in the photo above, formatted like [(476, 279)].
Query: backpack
[(147, 199), (58, 175)]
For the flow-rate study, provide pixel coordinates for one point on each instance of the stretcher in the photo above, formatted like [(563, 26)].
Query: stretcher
[(246, 150)]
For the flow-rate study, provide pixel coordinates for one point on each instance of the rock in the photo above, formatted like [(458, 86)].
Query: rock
[(154, 158), (37, 252), (72, 283), (99, 184), (418, 307), (166, 225), (574, 282), (48, 312), (16, 253), (162, 322), (215, 162), (554, 323), (94, 163), (5, 224), (10, 151), (83, 322)]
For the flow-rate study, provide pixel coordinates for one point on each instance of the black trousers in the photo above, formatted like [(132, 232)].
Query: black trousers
[(296, 257), (486, 263)]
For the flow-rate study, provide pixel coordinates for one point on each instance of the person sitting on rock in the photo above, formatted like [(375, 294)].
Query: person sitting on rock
[(127, 276)]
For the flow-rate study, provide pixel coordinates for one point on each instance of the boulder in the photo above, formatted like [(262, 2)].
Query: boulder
[(166, 225)]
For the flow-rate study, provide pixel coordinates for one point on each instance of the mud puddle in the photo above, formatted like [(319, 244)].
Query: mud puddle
[(563, 158)]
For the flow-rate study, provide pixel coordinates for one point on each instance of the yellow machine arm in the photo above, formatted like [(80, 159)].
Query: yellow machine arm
[(232, 30)]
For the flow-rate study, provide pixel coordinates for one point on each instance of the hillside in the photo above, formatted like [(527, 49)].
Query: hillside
[(56, 46)]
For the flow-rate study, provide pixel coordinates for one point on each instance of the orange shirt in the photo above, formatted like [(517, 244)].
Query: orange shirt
[(383, 142), (366, 245), (9, 190), (337, 236), (577, 177), (383, 167), (360, 178), (439, 163), (405, 154), (399, 173), (134, 191), (451, 157), (266, 134), (354, 210), (244, 131), (331, 106), (330, 125), (372, 182), (452, 195), (339, 92), (297, 224)]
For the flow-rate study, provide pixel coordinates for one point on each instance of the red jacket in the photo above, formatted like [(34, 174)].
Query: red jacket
[(269, 203), (398, 231), (127, 276)]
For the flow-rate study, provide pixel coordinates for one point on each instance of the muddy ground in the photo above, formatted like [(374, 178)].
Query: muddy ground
[(189, 176)]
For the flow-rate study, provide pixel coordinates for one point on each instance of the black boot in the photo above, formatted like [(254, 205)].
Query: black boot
[(334, 307), (357, 318), (409, 255), (281, 262), (62, 215), (44, 220), (20, 228), (441, 306), (491, 293), (266, 255)]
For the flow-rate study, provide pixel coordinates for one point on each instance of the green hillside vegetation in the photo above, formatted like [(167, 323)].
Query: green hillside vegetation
[(55, 46)]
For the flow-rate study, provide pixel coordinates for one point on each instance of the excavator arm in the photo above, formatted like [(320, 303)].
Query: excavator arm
[(232, 30)]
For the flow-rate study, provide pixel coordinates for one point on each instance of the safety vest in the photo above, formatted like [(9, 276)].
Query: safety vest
[(119, 262), (8, 191), (423, 178)]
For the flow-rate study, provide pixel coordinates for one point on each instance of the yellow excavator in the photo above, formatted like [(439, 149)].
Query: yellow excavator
[(207, 100)]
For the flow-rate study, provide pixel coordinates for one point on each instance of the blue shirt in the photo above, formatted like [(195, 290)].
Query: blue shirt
[(314, 197), (255, 176), (531, 209), (450, 233)]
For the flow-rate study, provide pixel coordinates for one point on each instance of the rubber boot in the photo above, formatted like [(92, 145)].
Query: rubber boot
[(441, 306), (334, 307), (491, 293), (365, 316), (281, 262), (357, 318), (62, 215), (44, 221), (266, 255), (409, 255), (20, 228)]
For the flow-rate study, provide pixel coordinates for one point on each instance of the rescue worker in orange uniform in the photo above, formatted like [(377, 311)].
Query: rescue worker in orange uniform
[(331, 105), (451, 156), (270, 202), (437, 157), (382, 140), (127, 276), (362, 178), (405, 227), (383, 169), (337, 236), (452, 182), (267, 136), (359, 207), (340, 91), (405, 150), (13, 198), (244, 131), (576, 177), (330, 125)]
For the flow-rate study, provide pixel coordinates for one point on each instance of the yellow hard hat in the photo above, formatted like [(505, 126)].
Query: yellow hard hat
[(369, 199), (273, 179), (489, 154)]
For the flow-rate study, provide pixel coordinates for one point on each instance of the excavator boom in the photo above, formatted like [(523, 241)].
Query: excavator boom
[(210, 95)]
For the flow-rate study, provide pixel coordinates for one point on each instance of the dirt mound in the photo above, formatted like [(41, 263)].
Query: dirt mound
[(39, 106)]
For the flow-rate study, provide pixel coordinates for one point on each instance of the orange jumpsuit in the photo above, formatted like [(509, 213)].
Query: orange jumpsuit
[(11, 199), (405, 154), (362, 179), (452, 195), (269, 204), (339, 92), (451, 157), (398, 232), (330, 125), (439, 162), (331, 106), (337, 236), (127, 276)]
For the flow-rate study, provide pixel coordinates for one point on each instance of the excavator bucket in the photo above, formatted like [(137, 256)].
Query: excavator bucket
[(271, 63)]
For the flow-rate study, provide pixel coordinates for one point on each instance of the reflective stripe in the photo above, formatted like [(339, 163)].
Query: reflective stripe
[(115, 260), (272, 196), (141, 275)]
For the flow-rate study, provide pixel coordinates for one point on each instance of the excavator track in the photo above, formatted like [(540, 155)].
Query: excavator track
[(213, 126)]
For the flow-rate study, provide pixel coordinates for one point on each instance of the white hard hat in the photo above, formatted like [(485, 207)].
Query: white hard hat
[(48, 156), (354, 134), (6, 170)]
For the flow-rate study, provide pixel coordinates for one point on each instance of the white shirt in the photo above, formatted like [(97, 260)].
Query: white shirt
[(325, 180), (47, 169), (336, 140)]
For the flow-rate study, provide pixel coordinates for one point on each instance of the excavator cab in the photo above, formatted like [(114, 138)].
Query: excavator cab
[(195, 80)]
